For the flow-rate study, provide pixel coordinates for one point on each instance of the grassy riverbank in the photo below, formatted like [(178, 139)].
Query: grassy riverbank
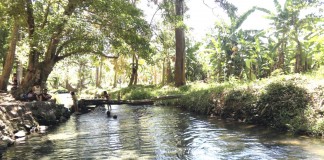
[(286, 102)]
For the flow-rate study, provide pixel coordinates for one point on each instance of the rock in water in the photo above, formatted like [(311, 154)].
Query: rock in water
[(8, 140), (20, 134)]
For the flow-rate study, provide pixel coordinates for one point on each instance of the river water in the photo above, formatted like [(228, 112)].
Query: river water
[(156, 132)]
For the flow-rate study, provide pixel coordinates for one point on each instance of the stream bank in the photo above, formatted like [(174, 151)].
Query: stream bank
[(18, 119)]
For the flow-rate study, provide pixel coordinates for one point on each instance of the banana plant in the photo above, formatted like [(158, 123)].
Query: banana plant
[(229, 60), (292, 30)]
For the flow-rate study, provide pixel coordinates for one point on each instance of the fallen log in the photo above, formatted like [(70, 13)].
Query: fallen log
[(83, 103), (86, 102)]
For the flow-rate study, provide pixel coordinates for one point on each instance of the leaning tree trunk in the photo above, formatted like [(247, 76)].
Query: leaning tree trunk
[(4, 78), (179, 74), (30, 77), (38, 72)]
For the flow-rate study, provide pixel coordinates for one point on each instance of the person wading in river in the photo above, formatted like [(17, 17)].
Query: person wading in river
[(107, 97), (75, 107)]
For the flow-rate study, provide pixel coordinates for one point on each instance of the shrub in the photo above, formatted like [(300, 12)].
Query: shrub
[(197, 101), (282, 105), (137, 94), (318, 127), (239, 104)]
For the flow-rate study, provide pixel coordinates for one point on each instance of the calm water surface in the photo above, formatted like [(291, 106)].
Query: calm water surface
[(153, 132)]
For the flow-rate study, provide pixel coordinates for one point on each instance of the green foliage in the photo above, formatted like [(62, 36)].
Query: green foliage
[(230, 60), (194, 68), (138, 94), (282, 105), (239, 104), (197, 101), (279, 102), (291, 45), (318, 127), (59, 29), (185, 88), (135, 92), (277, 72)]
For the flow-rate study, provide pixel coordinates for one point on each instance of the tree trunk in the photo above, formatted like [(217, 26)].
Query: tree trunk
[(281, 59), (299, 59), (299, 53), (220, 73), (136, 71), (133, 79), (155, 79), (39, 71), (97, 77), (180, 78), (100, 71), (4, 78), (81, 76), (20, 70), (163, 71), (33, 58), (281, 53), (169, 78), (115, 76)]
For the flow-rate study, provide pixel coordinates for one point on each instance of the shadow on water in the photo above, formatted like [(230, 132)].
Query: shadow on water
[(146, 132)]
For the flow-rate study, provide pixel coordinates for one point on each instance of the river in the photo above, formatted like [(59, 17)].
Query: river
[(159, 132)]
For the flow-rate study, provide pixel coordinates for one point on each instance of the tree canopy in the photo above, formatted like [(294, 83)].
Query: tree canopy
[(52, 30), (42, 37)]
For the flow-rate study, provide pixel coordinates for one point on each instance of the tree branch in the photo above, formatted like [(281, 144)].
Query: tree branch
[(45, 16), (30, 18)]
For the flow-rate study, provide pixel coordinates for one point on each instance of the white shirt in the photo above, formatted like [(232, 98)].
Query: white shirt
[(37, 90)]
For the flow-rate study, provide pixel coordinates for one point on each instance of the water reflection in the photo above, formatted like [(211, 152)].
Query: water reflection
[(146, 132)]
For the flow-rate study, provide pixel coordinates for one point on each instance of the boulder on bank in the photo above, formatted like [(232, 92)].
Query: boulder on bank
[(13, 118), (18, 116), (48, 113)]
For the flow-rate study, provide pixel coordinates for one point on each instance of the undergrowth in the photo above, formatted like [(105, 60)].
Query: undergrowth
[(287, 102)]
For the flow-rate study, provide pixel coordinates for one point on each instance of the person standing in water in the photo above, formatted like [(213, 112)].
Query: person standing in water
[(75, 107), (107, 97)]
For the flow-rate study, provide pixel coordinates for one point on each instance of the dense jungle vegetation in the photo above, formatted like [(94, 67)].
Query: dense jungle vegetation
[(259, 76)]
